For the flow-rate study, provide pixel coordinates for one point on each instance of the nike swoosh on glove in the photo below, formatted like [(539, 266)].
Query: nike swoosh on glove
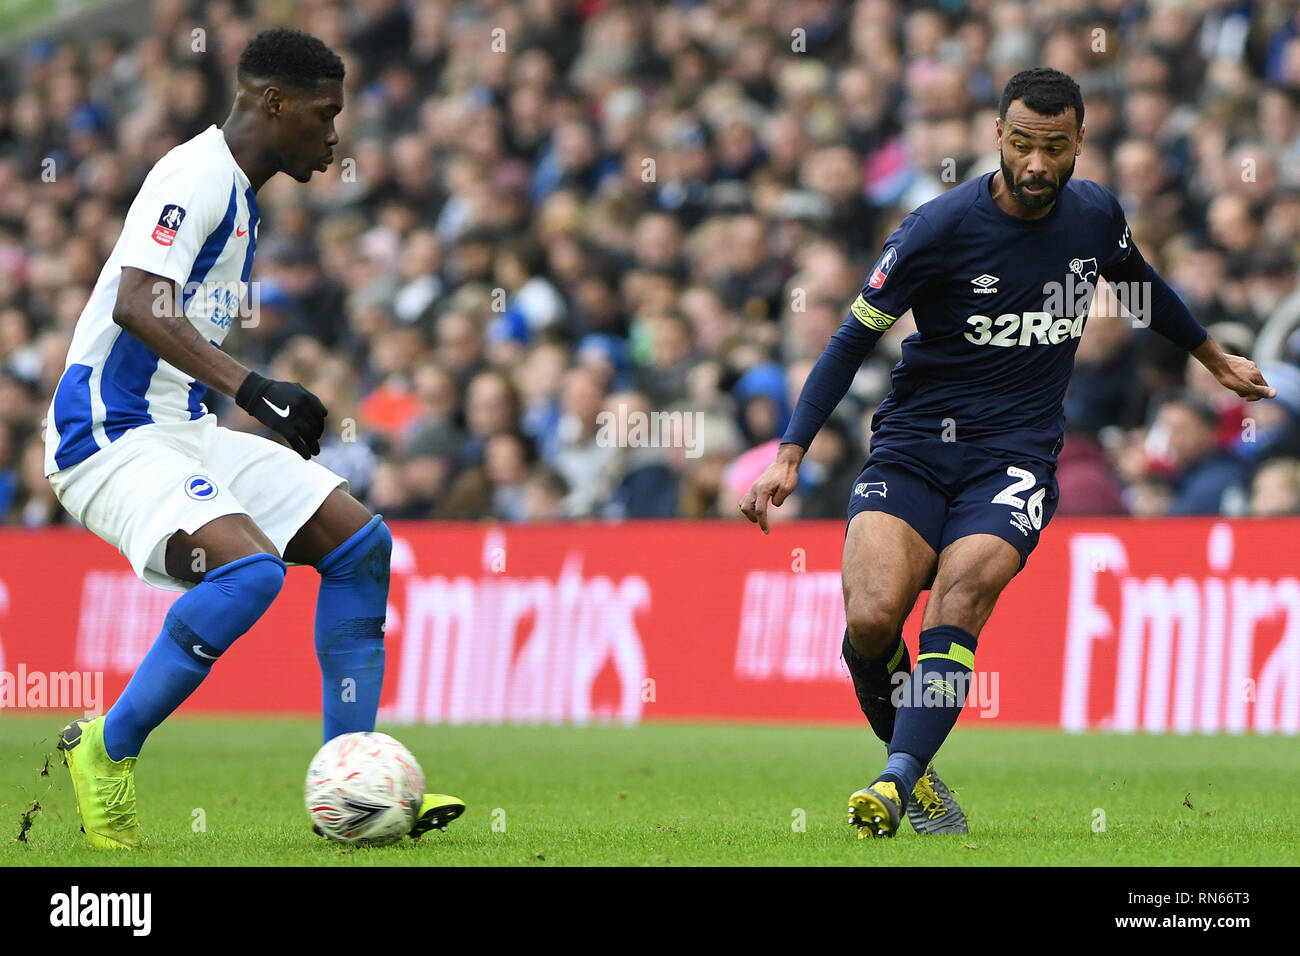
[(287, 409)]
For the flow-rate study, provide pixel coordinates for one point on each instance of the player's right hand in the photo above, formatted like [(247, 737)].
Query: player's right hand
[(286, 408), (776, 483)]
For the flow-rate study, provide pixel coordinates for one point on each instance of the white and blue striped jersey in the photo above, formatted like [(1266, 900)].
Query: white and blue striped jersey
[(194, 221)]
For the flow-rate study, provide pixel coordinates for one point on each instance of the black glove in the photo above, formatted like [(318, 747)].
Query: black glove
[(286, 408)]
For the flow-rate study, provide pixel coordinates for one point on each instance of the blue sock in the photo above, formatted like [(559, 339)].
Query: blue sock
[(200, 626), (350, 611), (932, 701)]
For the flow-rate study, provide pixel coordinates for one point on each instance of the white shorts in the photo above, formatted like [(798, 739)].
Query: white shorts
[(160, 478)]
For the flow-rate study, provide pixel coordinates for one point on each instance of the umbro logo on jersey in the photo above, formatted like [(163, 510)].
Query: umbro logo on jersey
[(165, 232), (1020, 523), (868, 488), (200, 488), (984, 284)]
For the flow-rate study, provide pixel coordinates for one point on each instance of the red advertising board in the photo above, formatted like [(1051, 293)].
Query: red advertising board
[(1186, 625)]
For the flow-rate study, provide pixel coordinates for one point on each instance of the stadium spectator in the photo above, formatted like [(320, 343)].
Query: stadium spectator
[(1087, 483), (644, 485), (1273, 428), (582, 456), (828, 471), (1101, 389), (1275, 489), (666, 201), (1203, 475), (1150, 496), (704, 493), (9, 474), (544, 493)]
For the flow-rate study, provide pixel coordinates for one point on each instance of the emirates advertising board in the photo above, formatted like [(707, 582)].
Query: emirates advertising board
[(1169, 626)]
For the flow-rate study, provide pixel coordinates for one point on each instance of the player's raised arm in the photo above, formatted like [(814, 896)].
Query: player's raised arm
[(1160, 306)]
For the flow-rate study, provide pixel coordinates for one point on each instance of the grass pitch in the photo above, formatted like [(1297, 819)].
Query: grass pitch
[(229, 792)]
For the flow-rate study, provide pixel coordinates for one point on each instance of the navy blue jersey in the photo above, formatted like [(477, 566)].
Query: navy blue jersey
[(999, 303)]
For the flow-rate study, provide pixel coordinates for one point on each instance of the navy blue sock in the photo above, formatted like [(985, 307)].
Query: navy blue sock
[(932, 701), (198, 629), (350, 612), (873, 682)]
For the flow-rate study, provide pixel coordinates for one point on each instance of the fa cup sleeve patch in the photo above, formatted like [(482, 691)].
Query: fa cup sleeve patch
[(165, 232), (881, 272)]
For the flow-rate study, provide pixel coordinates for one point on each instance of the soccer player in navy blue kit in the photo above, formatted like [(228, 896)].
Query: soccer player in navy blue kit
[(999, 275)]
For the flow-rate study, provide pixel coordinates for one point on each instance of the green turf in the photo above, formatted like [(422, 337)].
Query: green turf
[(681, 794), (25, 16)]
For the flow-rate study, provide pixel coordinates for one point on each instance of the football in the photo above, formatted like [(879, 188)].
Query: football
[(364, 788)]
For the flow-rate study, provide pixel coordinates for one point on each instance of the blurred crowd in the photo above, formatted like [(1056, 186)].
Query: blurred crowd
[(547, 210)]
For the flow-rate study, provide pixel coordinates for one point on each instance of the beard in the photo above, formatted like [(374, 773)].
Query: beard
[(1017, 187)]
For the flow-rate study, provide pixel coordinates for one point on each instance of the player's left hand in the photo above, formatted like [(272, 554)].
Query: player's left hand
[(1242, 376), (286, 408), (776, 483)]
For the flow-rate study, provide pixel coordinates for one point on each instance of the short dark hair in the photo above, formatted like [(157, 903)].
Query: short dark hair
[(1195, 403), (1046, 91), (289, 56), (549, 480)]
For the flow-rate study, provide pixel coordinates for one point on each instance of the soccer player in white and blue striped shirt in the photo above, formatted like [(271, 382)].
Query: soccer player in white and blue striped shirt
[(134, 456)]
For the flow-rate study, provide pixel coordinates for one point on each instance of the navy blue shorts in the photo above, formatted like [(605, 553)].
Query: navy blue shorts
[(947, 490)]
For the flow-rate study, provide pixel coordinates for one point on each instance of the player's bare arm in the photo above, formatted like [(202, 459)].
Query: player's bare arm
[(149, 308)]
